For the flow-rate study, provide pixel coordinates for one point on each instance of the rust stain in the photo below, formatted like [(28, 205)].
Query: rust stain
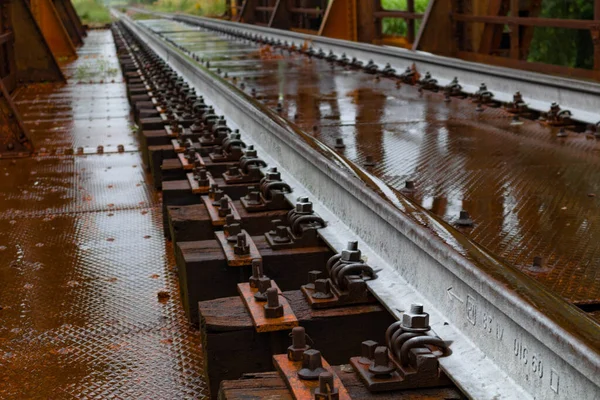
[(79, 317)]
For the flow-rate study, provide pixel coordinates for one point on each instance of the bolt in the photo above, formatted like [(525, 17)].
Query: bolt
[(201, 176), (369, 161), (281, 234), (224, 208), (381, 366), (279, 107), (121, 148), (263, 284), (312, 365), (273, 309), (464, 219), (322, 289), (241, 248), (257, 273), (537, 262), (304, 206), (351, 254), (409, 187), (415, 320), (367, 351), (217, 195), (312, 278), (100, 149), (339, 143), (326, 389), (299, 346), (232, 228)]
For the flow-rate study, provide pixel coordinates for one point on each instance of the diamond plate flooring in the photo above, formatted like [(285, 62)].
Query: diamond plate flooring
[(82, 254)]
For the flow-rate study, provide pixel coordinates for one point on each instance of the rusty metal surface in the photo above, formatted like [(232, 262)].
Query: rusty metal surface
[(529, 192), (91, 111), (89, 304)]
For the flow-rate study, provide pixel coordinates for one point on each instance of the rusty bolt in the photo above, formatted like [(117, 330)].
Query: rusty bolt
[(201, 176), (351, 253), (273, 175), (257, 273), (312, 278), (273, 309), (299, 346), (253, 196), (369, 161), (281, 234), (217, 195), (100, 149), (326, 389), (232, 228), (224, 208), (464, 219), (538, 263), (251, 152), (381, 366), (80, 150), (241, 248), (263, 284), (121, 148), (339, 143), (279, 107), (367, 351), (312, 365), (304, 206), (415, 320), (322, 289)]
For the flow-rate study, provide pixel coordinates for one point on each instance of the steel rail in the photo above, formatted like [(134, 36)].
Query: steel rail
[(582, 98), (510, 337)]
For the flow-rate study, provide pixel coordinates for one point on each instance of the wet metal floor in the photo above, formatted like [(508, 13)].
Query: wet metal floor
[(529, 192), (82, 254)]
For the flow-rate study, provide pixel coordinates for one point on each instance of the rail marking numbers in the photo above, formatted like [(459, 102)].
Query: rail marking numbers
[(452, 295), (471, 310), (554, 379)]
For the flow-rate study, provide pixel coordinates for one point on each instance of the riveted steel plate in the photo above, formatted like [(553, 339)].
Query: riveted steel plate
[(529, 192), (89, 299)]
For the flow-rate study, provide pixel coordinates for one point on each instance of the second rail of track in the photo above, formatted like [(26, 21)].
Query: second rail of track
[(510, 337)]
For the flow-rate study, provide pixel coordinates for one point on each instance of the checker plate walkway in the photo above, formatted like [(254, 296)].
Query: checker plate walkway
[(82, 254)]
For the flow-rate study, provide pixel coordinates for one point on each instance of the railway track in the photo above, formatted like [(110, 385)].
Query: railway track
[(513, 333)]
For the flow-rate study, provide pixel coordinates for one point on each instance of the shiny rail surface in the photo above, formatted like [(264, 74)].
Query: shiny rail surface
[(510, 335), (539, 90)]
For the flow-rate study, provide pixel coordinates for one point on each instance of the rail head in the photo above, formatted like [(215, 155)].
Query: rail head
[(539, 90), (520, 337)]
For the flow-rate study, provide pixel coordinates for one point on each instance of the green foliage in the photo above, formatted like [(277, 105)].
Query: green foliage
[(196, 7), (567, 47), (92, 12), (396, 26)]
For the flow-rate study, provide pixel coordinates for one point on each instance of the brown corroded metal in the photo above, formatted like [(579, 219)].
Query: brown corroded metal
[(257, 311), (52, 27), (88, 289), (304, 389)]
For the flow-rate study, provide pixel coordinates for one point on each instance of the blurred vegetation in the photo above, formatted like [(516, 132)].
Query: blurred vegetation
[(92, 12), (195, 7), (568, 47), (396, 26)]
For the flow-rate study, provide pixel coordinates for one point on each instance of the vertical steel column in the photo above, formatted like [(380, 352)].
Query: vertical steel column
[(595, 32), (410, 23), (515, 39)]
